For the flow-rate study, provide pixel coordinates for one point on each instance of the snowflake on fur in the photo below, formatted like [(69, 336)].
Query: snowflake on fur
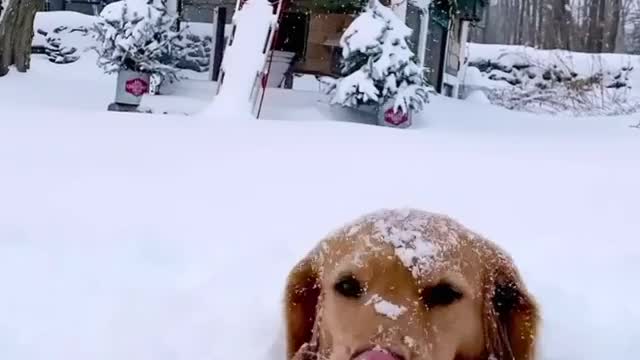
[(377, 64)]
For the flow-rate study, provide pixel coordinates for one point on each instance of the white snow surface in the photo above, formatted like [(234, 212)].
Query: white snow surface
[(158, 237), (478, 97)]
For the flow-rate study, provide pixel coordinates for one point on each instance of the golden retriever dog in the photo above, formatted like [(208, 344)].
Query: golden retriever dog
[(408, 285)]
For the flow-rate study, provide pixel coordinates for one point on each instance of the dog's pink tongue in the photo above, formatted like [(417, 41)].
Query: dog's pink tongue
[(376, 355)]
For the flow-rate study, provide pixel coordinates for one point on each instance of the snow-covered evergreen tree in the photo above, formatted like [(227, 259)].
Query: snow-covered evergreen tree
[(378, 65), (138, 35)]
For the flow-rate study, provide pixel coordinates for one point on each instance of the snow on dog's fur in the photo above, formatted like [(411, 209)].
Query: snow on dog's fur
[(408, 285)]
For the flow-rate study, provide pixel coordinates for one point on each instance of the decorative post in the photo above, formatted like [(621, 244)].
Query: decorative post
[(219, 22)]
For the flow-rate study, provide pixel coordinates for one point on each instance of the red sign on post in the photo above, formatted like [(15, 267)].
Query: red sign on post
[(395, 118), (136, 87)]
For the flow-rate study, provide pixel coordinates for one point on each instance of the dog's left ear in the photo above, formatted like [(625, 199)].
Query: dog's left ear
[(301, 300), (511, 315)]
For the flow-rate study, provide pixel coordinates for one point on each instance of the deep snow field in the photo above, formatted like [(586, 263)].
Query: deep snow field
[(155, 237)]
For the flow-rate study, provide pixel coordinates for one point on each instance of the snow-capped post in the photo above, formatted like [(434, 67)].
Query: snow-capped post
[(137, 40), (379, 71), (245, 58)]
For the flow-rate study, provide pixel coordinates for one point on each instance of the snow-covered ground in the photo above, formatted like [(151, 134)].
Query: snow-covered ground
[(153, 237)]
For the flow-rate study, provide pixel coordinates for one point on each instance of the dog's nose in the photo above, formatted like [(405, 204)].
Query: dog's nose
[(376, 354)]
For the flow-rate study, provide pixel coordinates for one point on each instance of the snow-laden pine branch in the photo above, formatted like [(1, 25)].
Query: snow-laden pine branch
[(378, 65), (139, 36)]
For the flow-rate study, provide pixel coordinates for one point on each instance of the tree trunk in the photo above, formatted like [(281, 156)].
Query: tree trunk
[(612, 30), (486, 34), (531, 28), (16, 33), (524, 23), (549, 36), (541, 6), (582, 32), (594, 36), (621, 35), (563, 24), (522, 6), (602, 22)]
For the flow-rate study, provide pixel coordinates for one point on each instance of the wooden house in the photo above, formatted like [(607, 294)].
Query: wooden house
[(309, 31), (312, 29)]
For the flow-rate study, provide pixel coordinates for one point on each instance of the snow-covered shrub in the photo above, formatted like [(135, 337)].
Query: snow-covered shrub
[(553, 82), (56, 51), (570, 98), (560, 90), (196, 53), (378, 65), (138, 35)]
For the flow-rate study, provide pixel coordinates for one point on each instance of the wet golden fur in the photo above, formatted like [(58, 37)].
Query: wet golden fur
[(495, 318)]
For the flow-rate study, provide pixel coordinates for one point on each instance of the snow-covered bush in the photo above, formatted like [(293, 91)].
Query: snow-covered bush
[(196, 53), (576, 98), (378, 65), (138, 35), (58, 52), (550, 81)]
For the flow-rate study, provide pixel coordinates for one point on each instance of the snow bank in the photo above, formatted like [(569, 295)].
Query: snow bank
[(70, 25), (49, 20), (581, 63), (554, 81)]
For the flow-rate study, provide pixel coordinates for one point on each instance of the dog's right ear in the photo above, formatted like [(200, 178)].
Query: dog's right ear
[(511, 315), (301, 301)]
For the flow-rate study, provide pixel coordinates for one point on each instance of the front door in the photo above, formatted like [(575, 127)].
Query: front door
[(435, 50)]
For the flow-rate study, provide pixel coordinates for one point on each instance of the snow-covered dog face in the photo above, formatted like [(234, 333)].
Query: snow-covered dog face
[(408, 285)]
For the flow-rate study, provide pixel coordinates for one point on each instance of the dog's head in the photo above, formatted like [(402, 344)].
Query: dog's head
[(408, 285)]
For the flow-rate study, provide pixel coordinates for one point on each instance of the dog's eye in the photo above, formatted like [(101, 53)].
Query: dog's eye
[(349, 287), (440, 295)]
